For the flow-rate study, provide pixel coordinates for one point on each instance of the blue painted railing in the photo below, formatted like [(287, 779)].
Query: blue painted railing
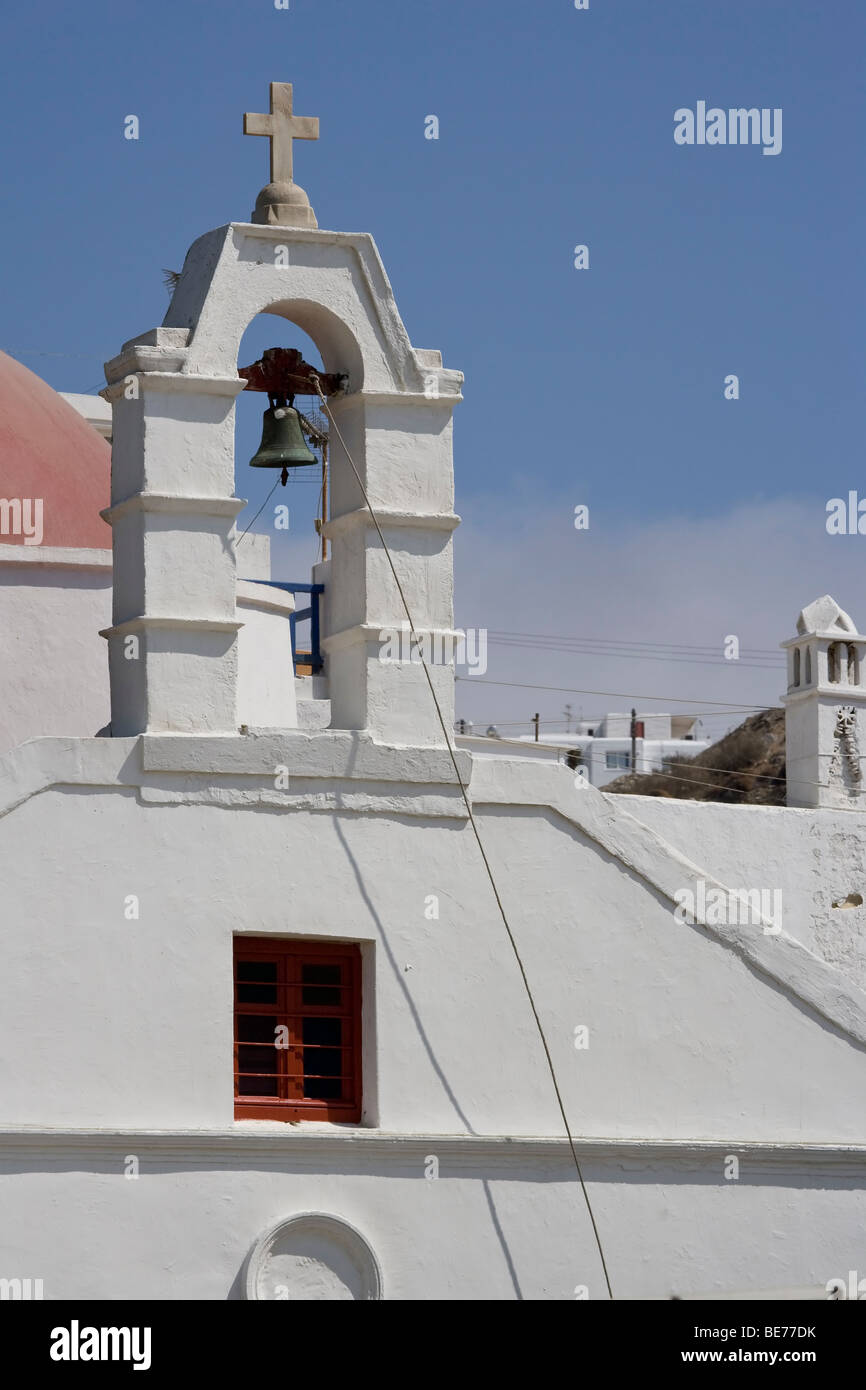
[(313, 659)]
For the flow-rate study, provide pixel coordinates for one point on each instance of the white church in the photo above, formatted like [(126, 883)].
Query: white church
[(287, 973)]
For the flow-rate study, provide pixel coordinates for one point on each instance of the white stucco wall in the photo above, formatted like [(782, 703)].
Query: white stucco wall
[(694, 1052), (815, 857), (499, 1222), (54, 671), (686, 1039), (266, 672)]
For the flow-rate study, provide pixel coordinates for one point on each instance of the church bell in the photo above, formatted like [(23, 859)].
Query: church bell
[(283, 444)]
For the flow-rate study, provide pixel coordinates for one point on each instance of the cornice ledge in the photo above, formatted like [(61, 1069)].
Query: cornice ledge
[(143, 369), (144, 622), (837, 694), (238, 769), (56, 557), (388, 516), (245, 1140), (331, 753), (180, 504)]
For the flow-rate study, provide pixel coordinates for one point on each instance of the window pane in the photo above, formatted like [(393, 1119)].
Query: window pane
[(257, 1059), (618, 760), (254, 1059), (321, 1087), (256, 970), (315, 978), (257, 1028), (322, 1065), (323, 1030), (257, 1086), (260, 970)]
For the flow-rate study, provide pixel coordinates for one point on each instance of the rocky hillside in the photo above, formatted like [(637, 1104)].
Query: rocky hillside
[(747, 765)]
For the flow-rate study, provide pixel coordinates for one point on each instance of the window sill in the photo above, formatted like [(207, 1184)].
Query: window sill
[(300, 1126)]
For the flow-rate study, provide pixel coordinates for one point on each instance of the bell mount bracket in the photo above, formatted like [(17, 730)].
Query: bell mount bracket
[(282, 373)]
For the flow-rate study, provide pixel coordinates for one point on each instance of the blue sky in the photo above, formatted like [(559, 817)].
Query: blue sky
[(603, 386)]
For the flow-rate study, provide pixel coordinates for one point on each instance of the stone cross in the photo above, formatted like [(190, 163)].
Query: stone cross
[(281, 128)]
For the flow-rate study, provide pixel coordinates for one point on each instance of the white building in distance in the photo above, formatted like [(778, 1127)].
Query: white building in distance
[(603, 747)]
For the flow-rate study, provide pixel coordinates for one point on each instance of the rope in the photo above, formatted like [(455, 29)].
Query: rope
[(258, 513), (478, 840)]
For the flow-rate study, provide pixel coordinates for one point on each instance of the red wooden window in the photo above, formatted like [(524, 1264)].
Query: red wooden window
[(297, 1030)]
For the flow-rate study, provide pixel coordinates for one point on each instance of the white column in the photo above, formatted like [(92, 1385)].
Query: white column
[(172, 643), (402, 447)]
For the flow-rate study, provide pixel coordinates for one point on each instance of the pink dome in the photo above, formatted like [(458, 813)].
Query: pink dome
[(48, 451)]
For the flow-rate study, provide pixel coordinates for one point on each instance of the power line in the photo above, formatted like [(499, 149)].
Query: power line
[(716, 786), (569, 736), (635, 642), (587, 644), (749, 658), (587, 756), (37, 352), (478, 840), (585, 650), (619, 694), (692, 781), (707, 767)]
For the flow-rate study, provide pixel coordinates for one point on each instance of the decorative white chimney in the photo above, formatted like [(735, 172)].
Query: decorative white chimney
[(825, 708)]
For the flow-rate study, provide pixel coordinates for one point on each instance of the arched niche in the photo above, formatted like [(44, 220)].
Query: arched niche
[(289, 514), (853, 664), (312, 1257)]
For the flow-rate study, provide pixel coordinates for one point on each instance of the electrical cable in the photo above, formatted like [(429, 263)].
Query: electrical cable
[(619, 694), (586, 646), (664, 772), (695, 782), (635, 642), (591, 719), (707, 767), (37, 352), (637, 656), (478, 840)]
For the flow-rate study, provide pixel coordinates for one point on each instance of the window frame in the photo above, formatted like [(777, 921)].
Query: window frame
[(291, 953)]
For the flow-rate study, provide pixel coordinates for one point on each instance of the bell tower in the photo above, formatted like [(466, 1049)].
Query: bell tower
[(173, 393), (825, 708)]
